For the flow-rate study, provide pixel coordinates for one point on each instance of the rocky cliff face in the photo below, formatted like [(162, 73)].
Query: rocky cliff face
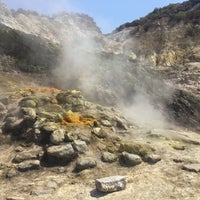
[(167, 36)]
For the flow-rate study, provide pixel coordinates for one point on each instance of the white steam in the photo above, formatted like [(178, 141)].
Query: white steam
[(88, 65)]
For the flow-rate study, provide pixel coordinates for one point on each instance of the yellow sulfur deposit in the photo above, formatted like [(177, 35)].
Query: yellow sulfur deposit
[(74, 118)]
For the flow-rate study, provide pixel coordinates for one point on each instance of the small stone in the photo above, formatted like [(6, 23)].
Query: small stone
[(11, 173), (49, 127), (29, 113), (152, 158), (85, 163), (108, 157), (106, 123), (111, 184), (70, 136), (79, 146), (28, 103), (121, 124), (29, 165), (99, 132), (130, 159), (192, 167), (57, 136)]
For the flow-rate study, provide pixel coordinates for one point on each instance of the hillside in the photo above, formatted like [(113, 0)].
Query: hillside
[(77, 105)]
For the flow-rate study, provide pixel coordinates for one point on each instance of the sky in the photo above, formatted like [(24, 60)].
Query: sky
[(108, 14)]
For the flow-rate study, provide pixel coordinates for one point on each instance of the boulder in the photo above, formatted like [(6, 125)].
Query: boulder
[(79, 146), (61, 152), (29, 165), (108, 157), (85, 163), (57, 136), (111, 184), (129, 159)]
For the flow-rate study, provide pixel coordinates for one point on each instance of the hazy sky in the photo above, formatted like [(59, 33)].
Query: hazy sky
[(108, 14)]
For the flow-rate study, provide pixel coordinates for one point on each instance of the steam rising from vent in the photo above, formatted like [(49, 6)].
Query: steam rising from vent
[(112, 78)]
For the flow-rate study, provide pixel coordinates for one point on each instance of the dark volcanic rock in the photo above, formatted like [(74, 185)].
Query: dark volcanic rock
[(60, 154)]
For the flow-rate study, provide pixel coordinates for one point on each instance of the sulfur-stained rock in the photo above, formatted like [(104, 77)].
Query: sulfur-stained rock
[(111, 184)]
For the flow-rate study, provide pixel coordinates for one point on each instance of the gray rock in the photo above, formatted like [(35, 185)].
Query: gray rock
[(130, 159), (58, 136), (105, 122), (111, 184), (85, 163), (29, 165), (49, 127), (65, 151), (29, 113), (192, 167), (70, 136), (108, 157), (80, 146), (99, 132), (28, 103), (121, 124), (152, 158)]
